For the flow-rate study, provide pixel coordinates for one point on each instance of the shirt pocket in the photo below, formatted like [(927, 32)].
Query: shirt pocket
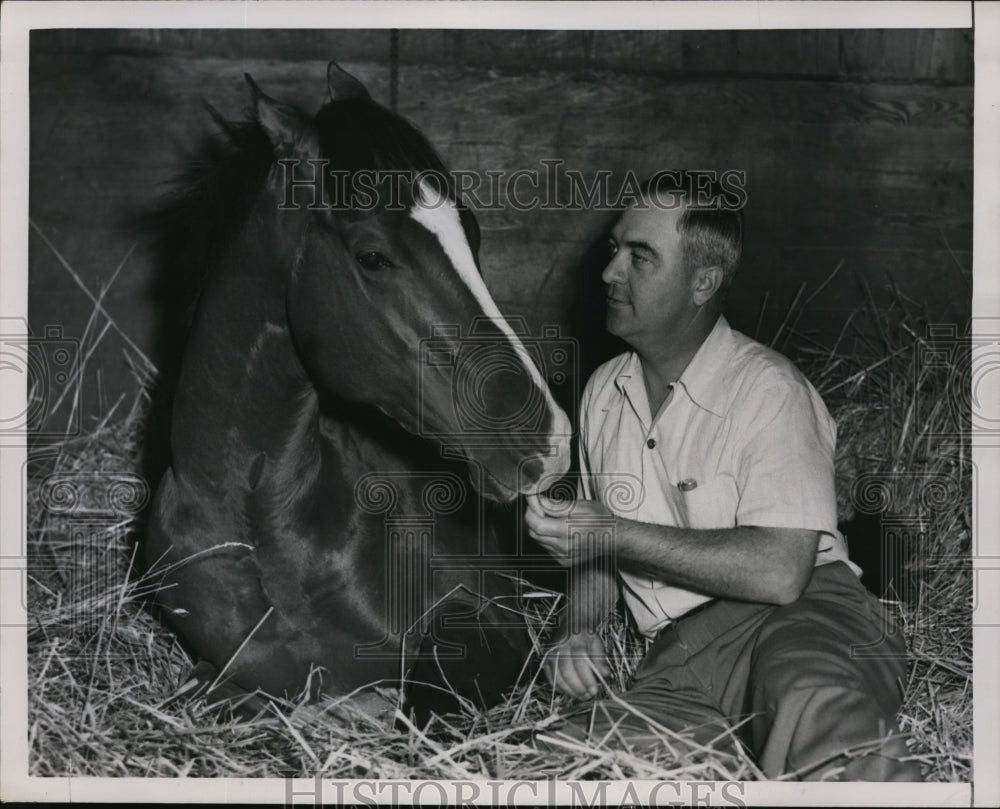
[(711, 504)]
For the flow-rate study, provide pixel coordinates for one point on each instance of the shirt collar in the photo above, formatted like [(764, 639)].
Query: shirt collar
[(704, 380), (629, 382)]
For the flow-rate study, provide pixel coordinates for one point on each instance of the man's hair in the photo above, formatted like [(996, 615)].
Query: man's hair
[(711, 226)]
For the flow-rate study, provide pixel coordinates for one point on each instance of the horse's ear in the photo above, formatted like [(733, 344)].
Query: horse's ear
[(224, 126), (289, 132), (342, 84)]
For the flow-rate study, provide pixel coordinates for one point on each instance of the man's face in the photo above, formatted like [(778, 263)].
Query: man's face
[(649, 292)]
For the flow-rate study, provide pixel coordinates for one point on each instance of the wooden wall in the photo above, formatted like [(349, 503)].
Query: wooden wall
[(930, 55), (857, 147)]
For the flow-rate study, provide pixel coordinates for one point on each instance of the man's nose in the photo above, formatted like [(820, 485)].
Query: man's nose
[(614, 273)]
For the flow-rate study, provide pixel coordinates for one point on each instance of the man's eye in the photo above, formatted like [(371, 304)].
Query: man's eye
[(639, 259), (373, 260)]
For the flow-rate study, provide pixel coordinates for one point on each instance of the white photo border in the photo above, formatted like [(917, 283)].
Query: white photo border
[(19, 18)]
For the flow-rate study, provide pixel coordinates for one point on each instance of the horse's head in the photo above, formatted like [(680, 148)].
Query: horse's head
[(386, 303)]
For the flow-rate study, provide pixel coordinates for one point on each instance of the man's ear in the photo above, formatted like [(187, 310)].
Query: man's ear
[(707, 282)]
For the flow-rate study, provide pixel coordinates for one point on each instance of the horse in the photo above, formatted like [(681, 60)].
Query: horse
[(349, 406)]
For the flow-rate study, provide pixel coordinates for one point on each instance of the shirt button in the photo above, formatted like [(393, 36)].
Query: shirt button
[(651, 443)]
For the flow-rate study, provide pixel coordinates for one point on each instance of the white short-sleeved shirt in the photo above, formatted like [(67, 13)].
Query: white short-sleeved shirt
[(745, 439)]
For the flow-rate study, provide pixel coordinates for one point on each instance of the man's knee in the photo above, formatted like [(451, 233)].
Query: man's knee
[(814, 696), (816, 647)]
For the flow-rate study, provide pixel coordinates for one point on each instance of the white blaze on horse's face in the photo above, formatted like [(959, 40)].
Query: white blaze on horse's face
[(439, 215)]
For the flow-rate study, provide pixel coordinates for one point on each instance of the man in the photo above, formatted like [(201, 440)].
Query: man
[(726, 542)]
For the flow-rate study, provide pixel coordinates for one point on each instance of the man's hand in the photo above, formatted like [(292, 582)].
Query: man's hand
[(576, 664), (548, 524)]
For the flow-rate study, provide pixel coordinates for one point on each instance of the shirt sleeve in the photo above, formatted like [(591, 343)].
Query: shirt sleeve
[(785, 469)]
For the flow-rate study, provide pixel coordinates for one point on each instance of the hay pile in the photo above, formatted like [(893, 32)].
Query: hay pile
[(899, 389), (107, 683)]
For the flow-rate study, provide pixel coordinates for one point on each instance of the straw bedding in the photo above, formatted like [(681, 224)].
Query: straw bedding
[(107, 682)]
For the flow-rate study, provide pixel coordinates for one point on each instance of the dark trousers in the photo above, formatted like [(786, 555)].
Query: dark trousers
[(801, 684)]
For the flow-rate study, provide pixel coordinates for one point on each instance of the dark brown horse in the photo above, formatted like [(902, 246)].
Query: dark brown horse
[(316, 513)]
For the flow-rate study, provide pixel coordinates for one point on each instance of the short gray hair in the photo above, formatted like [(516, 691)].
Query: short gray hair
[(711, 235)]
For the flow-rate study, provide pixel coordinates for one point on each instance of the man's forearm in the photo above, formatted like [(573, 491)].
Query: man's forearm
[(749, 563)]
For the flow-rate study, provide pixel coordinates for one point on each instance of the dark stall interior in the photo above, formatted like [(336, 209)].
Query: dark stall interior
[(856, 147)]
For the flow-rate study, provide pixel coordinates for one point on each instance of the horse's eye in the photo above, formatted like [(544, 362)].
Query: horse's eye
[(372, 260)]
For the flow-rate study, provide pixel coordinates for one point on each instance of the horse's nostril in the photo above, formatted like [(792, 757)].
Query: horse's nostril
[(532, 471)]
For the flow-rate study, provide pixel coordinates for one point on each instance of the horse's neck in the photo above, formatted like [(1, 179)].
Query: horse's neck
[(244, 408)]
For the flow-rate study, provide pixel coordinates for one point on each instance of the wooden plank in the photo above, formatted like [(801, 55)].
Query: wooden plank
[(867, 55)]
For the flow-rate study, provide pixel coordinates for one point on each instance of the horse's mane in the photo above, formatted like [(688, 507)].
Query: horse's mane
[(213, 194), (201, 208), (357, 133)]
